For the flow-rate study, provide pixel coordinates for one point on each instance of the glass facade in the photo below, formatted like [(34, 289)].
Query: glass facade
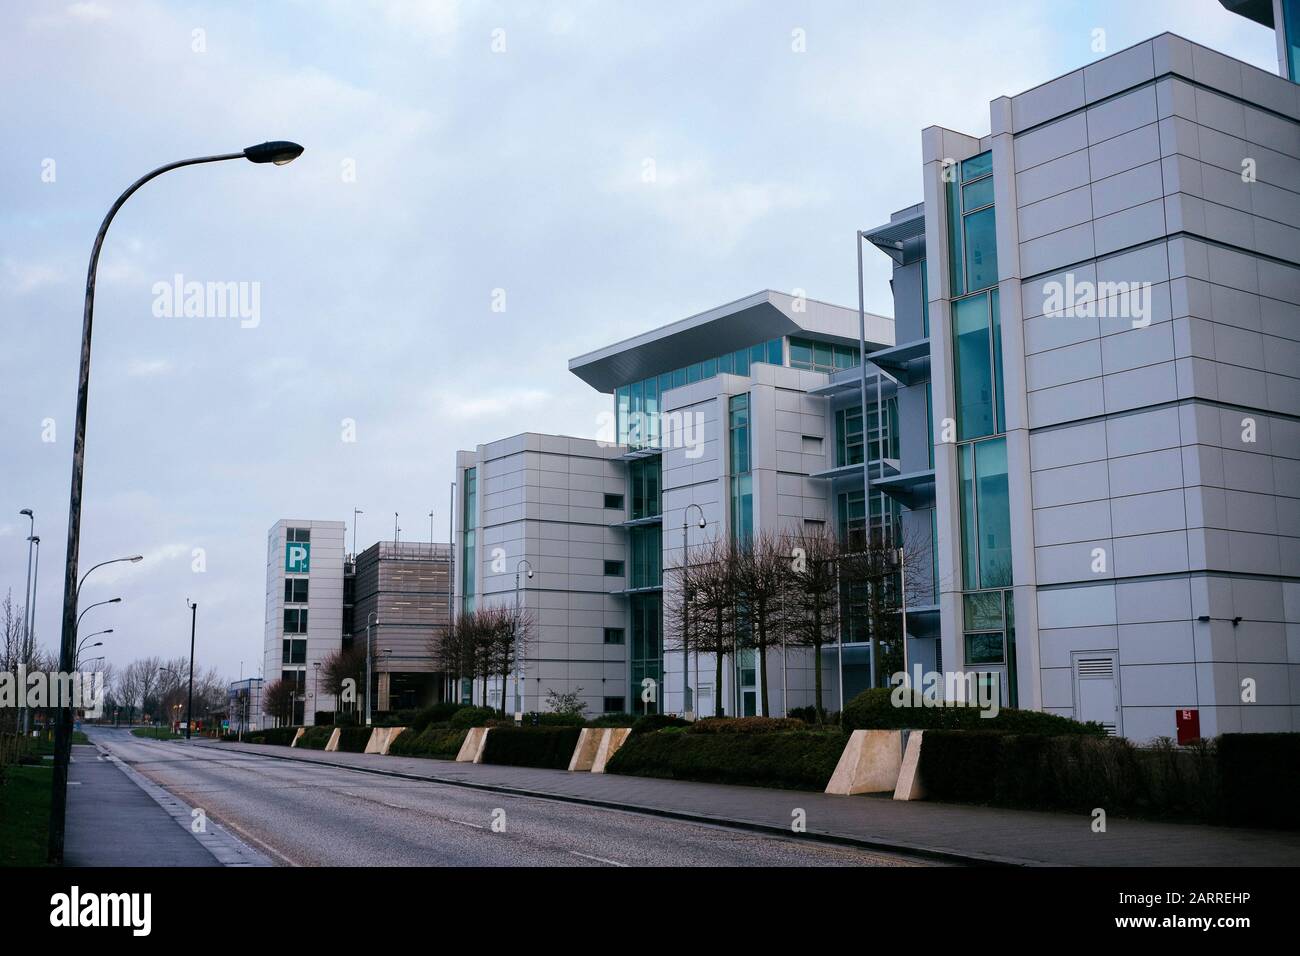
[(742, 479), (637, 404), (882, 433), (1291, 24), (977, 366), (985, 515), (645, 552), (643, 478), (989, 635), (469, 522), (645, 654), (972, 239), (822, 356)]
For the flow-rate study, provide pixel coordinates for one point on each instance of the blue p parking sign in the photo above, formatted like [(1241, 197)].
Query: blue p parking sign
[(297, 557)]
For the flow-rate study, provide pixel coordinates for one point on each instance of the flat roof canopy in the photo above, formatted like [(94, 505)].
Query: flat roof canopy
[(756, 318)]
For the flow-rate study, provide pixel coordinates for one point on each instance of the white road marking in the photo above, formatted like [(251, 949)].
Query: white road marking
[(598, 859), (466, 823)]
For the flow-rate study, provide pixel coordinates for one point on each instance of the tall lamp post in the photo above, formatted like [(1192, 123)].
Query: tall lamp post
[(686, 605), (89, 607), (29, 603), (355, 512), (519, 659), (371, 619), (189, 707), (278, 153), (82, 645)]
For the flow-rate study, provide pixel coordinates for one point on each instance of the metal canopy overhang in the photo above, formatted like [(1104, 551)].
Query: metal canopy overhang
[(902, 361), (740, 324), (891, 237)]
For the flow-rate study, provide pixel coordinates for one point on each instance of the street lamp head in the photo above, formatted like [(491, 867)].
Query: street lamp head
[(277, 151), (530, 572), (114, 600), (702, 521), (27, 512), (136, 558)]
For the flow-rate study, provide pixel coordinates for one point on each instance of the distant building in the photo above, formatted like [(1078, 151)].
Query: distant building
[(244, 705), (319, 599)]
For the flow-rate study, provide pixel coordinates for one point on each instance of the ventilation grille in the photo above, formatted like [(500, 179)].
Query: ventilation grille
[(1096, 667)]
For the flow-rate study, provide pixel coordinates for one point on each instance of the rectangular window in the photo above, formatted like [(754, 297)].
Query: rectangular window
[(848, 436), (985, 515), (295, 590), (973, 367), (742, 483), (613, 705), (614, 569), (613, 635), (645, 655), (299, 535), (469, 524), (644, 550), (742, 361), (614, 501), (972, 235), (643, 479), (295, 620), (925, 298), (775, 352), (295, 651)]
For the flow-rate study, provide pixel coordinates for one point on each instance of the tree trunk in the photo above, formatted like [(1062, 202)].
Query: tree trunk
[(817, 661), (718, 709), (762, 663)]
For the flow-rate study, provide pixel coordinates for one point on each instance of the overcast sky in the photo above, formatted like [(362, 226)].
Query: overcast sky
[(437, 170)]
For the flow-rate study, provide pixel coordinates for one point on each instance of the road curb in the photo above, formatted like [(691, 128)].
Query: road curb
[(922, 851)]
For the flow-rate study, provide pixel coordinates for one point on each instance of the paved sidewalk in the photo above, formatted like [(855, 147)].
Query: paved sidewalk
[(112, 822), (952, 831)]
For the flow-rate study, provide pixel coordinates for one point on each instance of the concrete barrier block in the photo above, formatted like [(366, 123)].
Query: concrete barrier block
[(870, 763), (393, 734), (333, 744), (471, 751), (584, 753), (298, 736), (612, 739), (909, 775)]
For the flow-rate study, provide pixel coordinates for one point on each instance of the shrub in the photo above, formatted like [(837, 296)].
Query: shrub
[(353, 740), (745, 725), (531, 746), (315, 738), (431, 742), (468, 717), (552, 719), (874, 709), (653, 722), (281, 736), (1259, 777), (799, 759), (437, 714), (613, 720)]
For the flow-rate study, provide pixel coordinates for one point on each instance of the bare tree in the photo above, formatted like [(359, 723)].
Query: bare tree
[(341, 666), (813, 598), (277, 700), (715, 594)]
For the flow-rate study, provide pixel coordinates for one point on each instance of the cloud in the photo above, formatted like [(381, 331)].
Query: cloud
[(148, 368), (27, 277)]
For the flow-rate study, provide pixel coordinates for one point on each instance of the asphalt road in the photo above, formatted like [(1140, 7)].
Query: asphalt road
[(311, 815)]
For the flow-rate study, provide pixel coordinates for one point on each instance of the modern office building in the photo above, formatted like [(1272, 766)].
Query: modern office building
[(402, 589), (319, 599), (1282, 16), (1085, 414)]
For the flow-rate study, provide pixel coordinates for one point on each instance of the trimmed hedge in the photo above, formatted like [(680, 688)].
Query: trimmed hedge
[(745, 725), (549, 719), (281, 736), (796, 760), (613, 720), (550, 747), (468, 717), (1259, 778), (875, 709), (441, 742), (1236, 779), (652, 722), (315, 738), (353, 740), (437, 714)]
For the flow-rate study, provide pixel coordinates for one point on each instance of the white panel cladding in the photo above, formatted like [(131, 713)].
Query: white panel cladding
[(1138, 444), (324, 604), (542, 499)]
